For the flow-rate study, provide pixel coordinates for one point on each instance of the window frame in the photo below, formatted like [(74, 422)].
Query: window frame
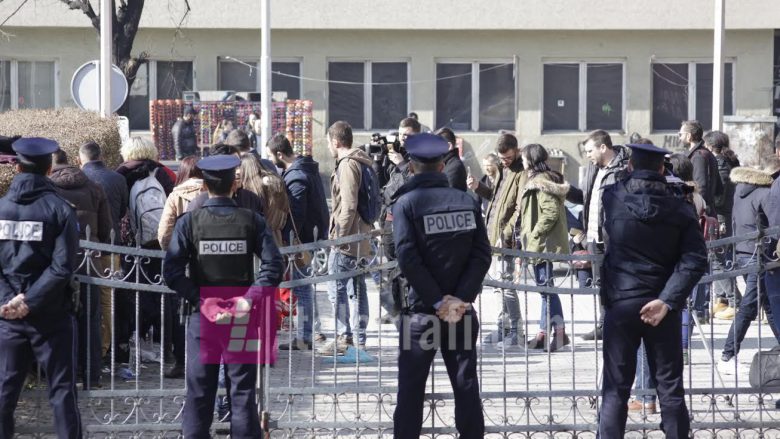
[(368, 92), (153, 74), (692, 85), (475, 70), (256, 62), (582, 106), (15, 78)]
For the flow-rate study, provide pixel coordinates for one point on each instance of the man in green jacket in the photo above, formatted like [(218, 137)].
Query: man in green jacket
[(502, 219)]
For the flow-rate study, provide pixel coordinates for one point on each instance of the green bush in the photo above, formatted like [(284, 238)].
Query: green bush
[(70, 127)]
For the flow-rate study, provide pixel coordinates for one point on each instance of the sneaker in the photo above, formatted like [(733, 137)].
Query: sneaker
[(493, 337), (730, 367), (595, 334), (560, 340), (727, 313), (512, 339), (296, 345), (386, 319), (176, 372), (537, 342), (636, 405), (337, 345), (320, 337)]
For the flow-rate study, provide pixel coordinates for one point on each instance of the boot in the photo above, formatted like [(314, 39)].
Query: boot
[(559, 340), (537, 342)]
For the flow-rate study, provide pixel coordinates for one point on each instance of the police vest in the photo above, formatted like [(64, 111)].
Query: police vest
[(224, 245)]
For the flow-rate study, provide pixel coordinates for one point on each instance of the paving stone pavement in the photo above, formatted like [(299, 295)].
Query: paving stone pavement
[(366, 391)]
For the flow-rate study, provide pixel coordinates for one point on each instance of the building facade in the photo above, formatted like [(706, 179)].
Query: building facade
[(549, 70)]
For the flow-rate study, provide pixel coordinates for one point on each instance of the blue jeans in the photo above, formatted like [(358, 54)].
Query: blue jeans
[(644, 379), (543, 275), (748, 308), (304, 318), (348, 295)]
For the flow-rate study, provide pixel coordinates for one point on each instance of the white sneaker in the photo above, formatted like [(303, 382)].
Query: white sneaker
[(731, 366)]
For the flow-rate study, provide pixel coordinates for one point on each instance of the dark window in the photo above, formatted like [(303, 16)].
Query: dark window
[(496, 97), (704, 78), (670, 96), (290, 84), (389, 94), (346, 101), (137, 104), (453, 96), (604, 97), (236, 76), (5, 85), (561, 97), (173, 78)]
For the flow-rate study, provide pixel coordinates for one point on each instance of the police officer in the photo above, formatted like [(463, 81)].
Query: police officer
[(646, 281), (219, 242), (38, 244), (443, 251)]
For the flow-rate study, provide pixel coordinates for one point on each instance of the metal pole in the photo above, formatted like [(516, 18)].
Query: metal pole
[(265, 75), (106, 32), (717, 65)]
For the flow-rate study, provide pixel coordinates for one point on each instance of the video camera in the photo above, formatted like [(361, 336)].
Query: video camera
[(380, 145)]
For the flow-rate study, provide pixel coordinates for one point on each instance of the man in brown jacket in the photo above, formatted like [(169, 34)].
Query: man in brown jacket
[(502, 219), (347, 294)]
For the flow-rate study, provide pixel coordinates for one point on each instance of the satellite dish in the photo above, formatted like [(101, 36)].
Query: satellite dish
[(85, 87)]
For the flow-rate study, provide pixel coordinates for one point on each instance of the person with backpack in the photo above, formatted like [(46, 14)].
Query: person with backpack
[(348, 182)]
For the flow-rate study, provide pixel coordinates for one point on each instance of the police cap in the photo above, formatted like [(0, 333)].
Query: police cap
[(219, 167), (34, 150), (426, 147), (647, 149)]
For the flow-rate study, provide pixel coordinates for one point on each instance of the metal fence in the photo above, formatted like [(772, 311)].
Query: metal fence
[(525, 392)]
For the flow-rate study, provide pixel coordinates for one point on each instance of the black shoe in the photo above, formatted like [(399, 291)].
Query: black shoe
[(596, 334), (558, 341), (537, 342), (296, 345), (176, 372)]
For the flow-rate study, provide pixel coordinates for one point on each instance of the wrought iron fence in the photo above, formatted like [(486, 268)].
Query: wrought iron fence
[(526, 392)]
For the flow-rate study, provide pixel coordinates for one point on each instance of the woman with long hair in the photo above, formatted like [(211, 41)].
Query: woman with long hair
[(544, 230), (271, 190)]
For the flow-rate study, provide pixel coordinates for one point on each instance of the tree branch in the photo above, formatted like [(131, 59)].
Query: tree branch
[(85, 7), (3, 33)]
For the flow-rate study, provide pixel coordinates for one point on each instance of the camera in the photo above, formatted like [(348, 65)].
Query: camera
[(380, 145)]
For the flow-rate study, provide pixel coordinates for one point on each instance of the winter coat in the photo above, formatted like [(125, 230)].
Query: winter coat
[(725, 202), (613, 172), (92, 208), (455, 170), (705, 173), (638, 210), (176, 205), (308, 205), (135, 170), (184, 141), (503, 212), (345, 186), (115, 187), (543, 225), (751, 203), (41, 267), (244, 198)]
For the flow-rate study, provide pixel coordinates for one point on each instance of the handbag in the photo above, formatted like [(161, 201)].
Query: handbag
[(580, 264), (302, 259)]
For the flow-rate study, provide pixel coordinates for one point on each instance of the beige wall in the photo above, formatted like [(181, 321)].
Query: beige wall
[(751, 51), (427, 14)]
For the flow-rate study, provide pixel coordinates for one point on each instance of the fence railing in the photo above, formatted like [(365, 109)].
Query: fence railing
[(526, 392)]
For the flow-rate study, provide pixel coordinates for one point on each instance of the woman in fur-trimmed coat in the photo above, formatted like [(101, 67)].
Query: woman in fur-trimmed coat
[(544, 230)]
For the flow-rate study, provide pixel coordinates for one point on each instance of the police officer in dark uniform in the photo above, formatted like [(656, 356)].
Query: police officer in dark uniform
[(219, 242), (38, 243), (655, 254), (443, 251)]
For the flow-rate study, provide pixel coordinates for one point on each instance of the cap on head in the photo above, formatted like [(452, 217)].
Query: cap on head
[(647, 148), (218, 167), (426, 147), (32, 149)]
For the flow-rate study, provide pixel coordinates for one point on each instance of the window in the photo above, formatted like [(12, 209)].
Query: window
[(27, 84), (583, 97), (157, 79), (370, 95), (475, 96), (173, 78), (244, 76), (674, 83)]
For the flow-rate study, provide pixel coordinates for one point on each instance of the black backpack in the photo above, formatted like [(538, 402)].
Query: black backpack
[(369, 195)]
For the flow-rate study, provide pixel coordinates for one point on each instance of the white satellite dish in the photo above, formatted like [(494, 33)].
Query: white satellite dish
[(85, 87)]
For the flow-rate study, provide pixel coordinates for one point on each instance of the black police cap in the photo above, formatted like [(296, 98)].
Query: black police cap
[(648, 149), (34, 150), (218, 167), (426, 147)]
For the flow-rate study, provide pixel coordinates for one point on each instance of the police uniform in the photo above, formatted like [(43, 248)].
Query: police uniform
[(639, 269), (219, 242), (38, 245), (442, 249)]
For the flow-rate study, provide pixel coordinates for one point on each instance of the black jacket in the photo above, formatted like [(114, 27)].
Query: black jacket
[(455, 170), (308, 204), (435, 260), (751, 204), (89, 199), (244, 198), (724, 202), (638, 210), (136, 170), (706, 174), (114, 186), (40, 265), (184, 141), (614, 171)]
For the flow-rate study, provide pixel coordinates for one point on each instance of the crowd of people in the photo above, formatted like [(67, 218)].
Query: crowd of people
[(520, 202)]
